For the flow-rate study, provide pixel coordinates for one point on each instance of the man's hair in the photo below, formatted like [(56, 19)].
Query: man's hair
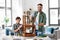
[(40, 4), (18, 18)]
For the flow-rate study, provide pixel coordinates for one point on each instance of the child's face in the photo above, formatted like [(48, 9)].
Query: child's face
[(18, 21)]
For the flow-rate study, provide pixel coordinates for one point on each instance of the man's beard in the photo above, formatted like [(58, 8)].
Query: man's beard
[(39, 10)]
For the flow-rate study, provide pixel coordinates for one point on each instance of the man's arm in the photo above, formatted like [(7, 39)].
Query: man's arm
[(33, 16), (44, 21)]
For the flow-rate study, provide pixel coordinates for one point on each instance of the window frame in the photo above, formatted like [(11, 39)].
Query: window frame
[(7, 8), (49, 13)]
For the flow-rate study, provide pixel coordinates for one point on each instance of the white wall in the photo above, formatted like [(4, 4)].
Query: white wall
[(33, 4), (30, 4), (16, 9), (22, 5)]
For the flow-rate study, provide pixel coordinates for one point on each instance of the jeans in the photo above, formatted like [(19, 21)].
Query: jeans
[(9, 32)]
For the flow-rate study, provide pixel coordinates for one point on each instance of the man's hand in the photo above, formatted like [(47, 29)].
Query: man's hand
[(41, 24)]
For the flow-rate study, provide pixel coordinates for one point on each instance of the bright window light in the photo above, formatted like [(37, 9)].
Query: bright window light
[(54, 16), (53, 3)]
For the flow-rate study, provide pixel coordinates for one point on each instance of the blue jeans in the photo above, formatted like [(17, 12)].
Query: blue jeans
[(9, 32), (38, 33)]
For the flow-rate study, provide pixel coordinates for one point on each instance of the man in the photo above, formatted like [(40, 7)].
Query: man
[(40, 18), (17, 26)]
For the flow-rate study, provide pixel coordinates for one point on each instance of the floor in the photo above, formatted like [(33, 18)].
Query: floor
[(4, 37), (24, 38)]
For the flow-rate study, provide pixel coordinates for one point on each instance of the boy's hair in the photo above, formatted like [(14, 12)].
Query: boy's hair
[(18, 18), (40, 4)]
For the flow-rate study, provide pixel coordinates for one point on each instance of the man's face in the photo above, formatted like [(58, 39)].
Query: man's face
[(18, 21), (39, 8)]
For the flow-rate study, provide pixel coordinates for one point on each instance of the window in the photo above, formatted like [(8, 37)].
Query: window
[(8, 3), (2, 3), (53, 3), (53, 16), (2, 15), (5, 11), (9, 16), (54, 11)]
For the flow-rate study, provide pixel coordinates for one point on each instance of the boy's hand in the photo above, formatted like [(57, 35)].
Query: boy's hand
[(19, 26)]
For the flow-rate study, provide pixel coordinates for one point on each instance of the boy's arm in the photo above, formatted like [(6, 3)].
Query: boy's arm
[(14, 27)]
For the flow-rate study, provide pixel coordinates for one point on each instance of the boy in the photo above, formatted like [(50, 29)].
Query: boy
[(17, 27)]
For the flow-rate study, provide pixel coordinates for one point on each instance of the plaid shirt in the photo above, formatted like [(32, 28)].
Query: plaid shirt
[(15, 26), (42, 19)]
